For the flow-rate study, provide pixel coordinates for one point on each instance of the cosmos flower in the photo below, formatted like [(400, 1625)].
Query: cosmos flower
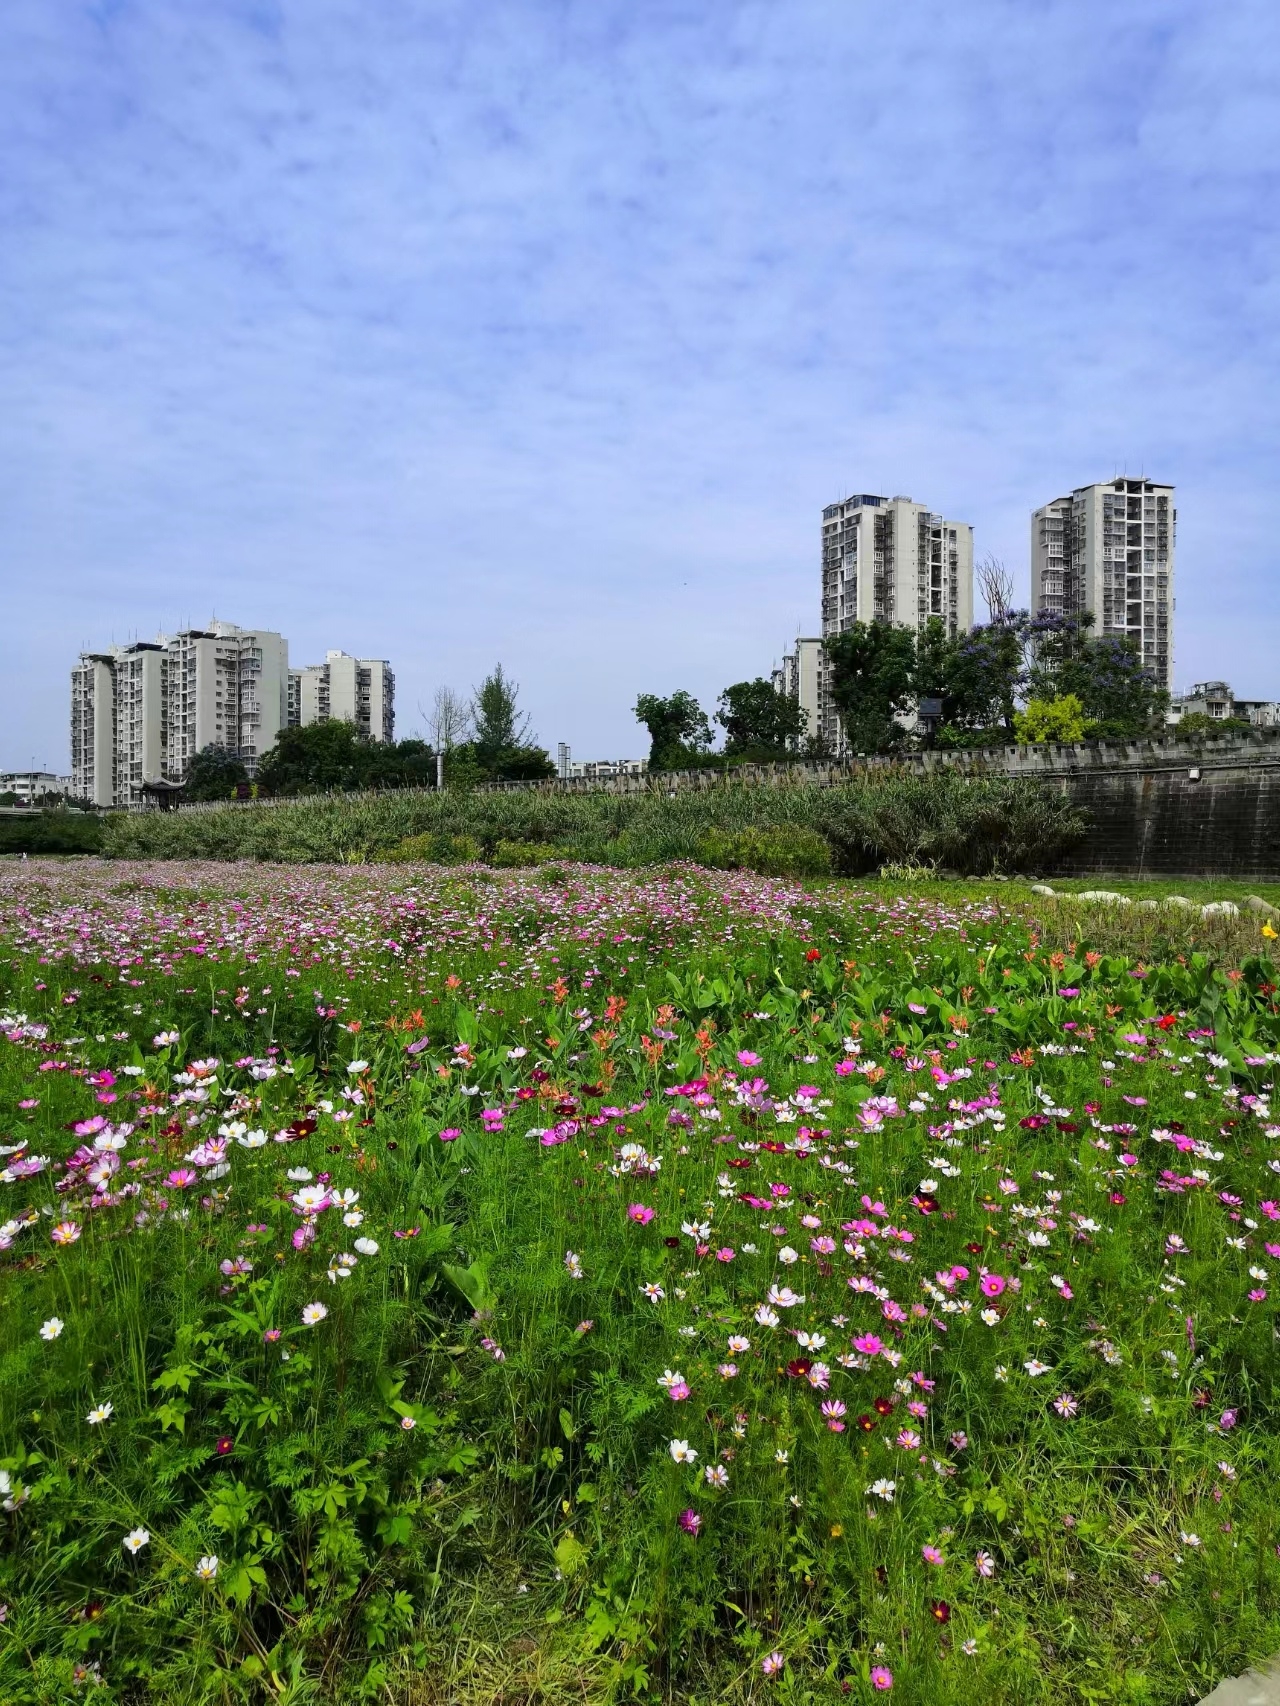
[(207, 1567), (136, 1539), (682, 1452), (51, 1328), (313, 1313), (99, 1413)]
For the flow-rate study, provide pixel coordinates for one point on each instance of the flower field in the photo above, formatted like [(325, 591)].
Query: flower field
[(431, 1285)]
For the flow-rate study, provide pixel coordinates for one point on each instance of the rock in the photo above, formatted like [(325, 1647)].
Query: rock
[(1255, 903), (1041, 888), (1104, 897), (1220, 909), (1180, 900), (1254, 1688), (1148, 906)]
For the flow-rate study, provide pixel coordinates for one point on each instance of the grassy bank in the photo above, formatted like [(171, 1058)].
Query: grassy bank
[(968, 825)]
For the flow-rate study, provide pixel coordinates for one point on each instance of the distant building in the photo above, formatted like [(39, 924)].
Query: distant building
[(1215, 699), (596, 769), (1109, 549), (33, 785), (345, 689), (141, 712), (802, 677), (890, 560)]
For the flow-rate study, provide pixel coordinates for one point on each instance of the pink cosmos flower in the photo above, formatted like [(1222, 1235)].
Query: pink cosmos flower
[(678, 1391), (932, 1554), (908, 1440), (991, 1285), (726, 1254), (638, 1212), (772, 1663), (690, 1521), (450, 1134), (65, 1232), (985, 1565), (881, 1678), (869, 1344), (1067, 1406), (181, 1177), (746, 1058)]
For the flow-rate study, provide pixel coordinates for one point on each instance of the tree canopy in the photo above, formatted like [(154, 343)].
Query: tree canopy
[(759, 722), (678, 728)]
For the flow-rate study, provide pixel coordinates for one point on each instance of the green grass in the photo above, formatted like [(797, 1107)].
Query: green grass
[(528, 1536)]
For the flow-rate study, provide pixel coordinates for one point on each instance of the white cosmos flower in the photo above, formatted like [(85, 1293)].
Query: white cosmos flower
[(883, 1489), (366, 1246), (353, 1217), (136, 1539), (682, 1452), (99, 1413), (738, 1345), (1034, 1367), (301, 1175), (51, 1328), (767, 1317), (207, 1568), (254, 1140), (354, 1067), (783, 1297), (788, 1255), (313, 1313)]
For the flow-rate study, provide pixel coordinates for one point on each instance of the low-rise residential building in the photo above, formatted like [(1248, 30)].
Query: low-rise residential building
[(596, 769), (30, 786), (1214, 699)]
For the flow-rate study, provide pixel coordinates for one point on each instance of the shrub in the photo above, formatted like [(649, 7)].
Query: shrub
[(782, 852), (433, 848), (52, 832), (517, 855)]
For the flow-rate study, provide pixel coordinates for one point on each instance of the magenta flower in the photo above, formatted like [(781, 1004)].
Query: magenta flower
[(746, 1058), (690, 1521), (181, 1177), (640, 1213), (450, 1134), (881, 1678), (869, 1344), (932, 1554), (726, 1254), (1067, 1406), (772, 1663), (991, 1285)]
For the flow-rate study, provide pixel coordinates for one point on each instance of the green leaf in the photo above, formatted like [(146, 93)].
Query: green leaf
[(571, 1555), (566, 1425)]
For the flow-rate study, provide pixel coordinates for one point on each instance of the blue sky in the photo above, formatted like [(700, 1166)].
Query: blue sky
[(541, 330)]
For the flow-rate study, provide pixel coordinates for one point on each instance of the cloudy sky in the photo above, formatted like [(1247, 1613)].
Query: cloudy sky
[(540, 330)]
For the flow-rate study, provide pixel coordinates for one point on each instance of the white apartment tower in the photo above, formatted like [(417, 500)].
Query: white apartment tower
[(1108, 549), (890, 560), (140, 712), (802, 677), (348, 690)]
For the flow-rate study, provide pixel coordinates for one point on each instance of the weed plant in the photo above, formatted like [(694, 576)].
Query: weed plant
[(429, 1286), (967, 824)]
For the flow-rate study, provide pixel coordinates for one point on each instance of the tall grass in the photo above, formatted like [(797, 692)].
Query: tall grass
[(977, 825)]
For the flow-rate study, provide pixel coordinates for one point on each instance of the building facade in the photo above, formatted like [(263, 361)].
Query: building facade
[(348, 690), (32, 785), (141, 712), (890, 560), (802, 677), (1109, 549)]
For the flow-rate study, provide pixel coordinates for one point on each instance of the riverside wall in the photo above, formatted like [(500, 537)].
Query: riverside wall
[(1156, 807)]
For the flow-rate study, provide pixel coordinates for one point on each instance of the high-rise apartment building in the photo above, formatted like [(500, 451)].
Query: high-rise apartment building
[(802, 677), (1108, 549), (890, 560), (141, 712), (345, 689)]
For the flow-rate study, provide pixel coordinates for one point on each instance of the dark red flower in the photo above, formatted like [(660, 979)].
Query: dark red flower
[(974, 1249), (866, 1424), (883, 1406), (672, 1243), (798, 1367), (225, 1445), (940, 1611), (925, 1203)]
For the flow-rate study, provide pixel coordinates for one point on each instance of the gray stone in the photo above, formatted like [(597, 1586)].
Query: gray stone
[(1220, 909), (1255, 903), (1180, 900), (1148, 906), (1104, 897), (1041, 888), (1254, 1688)]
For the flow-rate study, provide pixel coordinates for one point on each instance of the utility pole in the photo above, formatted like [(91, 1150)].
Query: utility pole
[(439, 769)]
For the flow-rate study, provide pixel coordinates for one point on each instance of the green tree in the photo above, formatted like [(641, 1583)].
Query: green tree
[(1060, 719), (759, 721), (678, 728), (873, 667), (1105, 673), (501, 746), (315, 759), (214, 773)]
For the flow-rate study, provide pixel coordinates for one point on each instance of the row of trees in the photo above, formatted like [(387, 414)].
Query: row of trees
[(1017, 677), (486, 738)]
